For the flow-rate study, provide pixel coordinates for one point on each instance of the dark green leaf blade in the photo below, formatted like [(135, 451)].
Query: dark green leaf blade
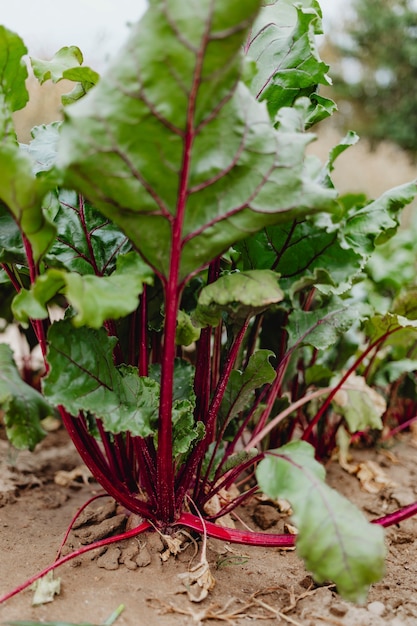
[(335, 540), (241, 385), (321, 328), (82, 377)]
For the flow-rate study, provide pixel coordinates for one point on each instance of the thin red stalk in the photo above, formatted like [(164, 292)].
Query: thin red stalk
[(272, 393), (231, 506), (164, 461), (11, 276), (74, 519), (111, 329), (331, 395), (216, 402), (187, 475), (259, 435), (399, 428), (165, 470), (143, 363), (98, 544), (202, 381), (38, 326), (95, 461), (207, 528), (87, 234), (234, 535), (202, 374), (398, 516), (224, 379), (146, 470), (216, 358), (253, 338), (110, 451)]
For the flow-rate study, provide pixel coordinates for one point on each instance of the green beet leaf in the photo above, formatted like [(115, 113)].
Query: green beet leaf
[(13, 74), (241, 385), (303, 252), (20, 191), (66, 64), (321, 328), (82, 377), (379, 326), (376, 222), (240, 294), (361, 405), (94, 298), (335, 540), (23, 194), (24, 407), (143, 144), (87, 242), (282, 41), (11, 245)]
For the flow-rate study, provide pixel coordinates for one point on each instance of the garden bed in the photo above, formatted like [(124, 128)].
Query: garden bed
[(257, 582)]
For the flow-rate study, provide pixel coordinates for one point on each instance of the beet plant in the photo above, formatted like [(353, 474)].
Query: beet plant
[(205, 266)]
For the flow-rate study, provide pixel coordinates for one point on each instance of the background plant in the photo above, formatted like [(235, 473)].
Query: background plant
[(206, 269), (376, 62)]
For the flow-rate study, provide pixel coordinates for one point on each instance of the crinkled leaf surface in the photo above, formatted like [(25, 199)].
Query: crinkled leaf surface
[(282, 41), (335, 540), (321, 328), (82, 377), (185, 430), (319, 251), (87, 242), (23, 406), (94, 298), (240, 294), (144, 146), (303, 251)]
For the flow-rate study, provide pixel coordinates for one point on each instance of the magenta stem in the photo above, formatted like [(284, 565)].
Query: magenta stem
[(233, 535)]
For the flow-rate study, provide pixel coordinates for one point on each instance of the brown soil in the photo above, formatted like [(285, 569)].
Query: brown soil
[(253, 585)]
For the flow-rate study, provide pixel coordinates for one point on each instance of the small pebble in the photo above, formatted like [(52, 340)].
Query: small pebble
[(144, 558), (265, 516), (376, 608), (338, 609), (110, 559)]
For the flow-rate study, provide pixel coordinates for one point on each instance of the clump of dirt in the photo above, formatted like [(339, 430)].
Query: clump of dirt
[(146, 573)]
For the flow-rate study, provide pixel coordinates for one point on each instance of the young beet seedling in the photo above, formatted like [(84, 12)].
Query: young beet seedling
[(202, 260)]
